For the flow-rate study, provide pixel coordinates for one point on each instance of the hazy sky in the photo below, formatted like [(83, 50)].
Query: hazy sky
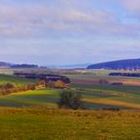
[(49, 32)]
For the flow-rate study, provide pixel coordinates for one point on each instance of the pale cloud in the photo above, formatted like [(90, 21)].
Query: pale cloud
[(133, 5), (16, 21), (31, 21), (63, 18), (38, 20), (69, 26)]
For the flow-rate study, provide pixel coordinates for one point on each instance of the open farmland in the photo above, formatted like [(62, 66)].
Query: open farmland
[(94, 96), (126, 95), (93, 77), (34, 114)]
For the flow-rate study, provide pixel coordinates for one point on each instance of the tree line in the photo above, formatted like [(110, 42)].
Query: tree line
[(9, 88)]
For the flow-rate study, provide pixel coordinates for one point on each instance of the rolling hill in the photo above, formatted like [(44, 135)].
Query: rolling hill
[(10, 65), (4, 64), (120, 64)]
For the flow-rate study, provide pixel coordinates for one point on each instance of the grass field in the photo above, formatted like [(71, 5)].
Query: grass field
[(14, 80), (31, 98), (93, 99), (51, 124), (34, 115), (94, 96)]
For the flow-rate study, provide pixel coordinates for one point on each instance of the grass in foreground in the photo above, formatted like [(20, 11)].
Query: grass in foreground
[(43, 123)]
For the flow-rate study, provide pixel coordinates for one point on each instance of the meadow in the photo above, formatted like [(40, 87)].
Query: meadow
[(53, 124), (14, 80), (34, 114), (94, 96)]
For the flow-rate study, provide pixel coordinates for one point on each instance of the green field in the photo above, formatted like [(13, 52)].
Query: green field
[(31, 98), (15, 80), (93, 96), (93, 99)]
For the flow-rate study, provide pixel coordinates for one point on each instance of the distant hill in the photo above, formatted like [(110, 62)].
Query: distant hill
[(24, 66), (10, 65), (5, 64), (120, 64)]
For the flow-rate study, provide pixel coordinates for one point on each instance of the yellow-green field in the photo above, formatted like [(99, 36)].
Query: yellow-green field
[(52, 124), (45, 97)]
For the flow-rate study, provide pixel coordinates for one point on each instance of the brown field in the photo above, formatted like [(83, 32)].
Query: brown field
[(113, 102), (95, 80)]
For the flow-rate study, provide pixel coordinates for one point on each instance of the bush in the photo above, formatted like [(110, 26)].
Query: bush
[(30, 87), (70, 99), (8, 86)]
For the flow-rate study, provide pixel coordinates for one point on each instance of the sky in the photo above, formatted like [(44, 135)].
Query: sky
[(65, 32)]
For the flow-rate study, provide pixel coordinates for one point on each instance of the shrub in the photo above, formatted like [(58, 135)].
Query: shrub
[(59, 84), (30, 87), (8, 86), (70, 99)]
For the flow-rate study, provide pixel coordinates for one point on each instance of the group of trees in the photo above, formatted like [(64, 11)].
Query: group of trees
[(70, 99), (8, 88)]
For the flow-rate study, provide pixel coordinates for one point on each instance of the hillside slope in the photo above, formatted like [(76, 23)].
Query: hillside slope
[(5, 64), (121, 64), (10, 65)]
